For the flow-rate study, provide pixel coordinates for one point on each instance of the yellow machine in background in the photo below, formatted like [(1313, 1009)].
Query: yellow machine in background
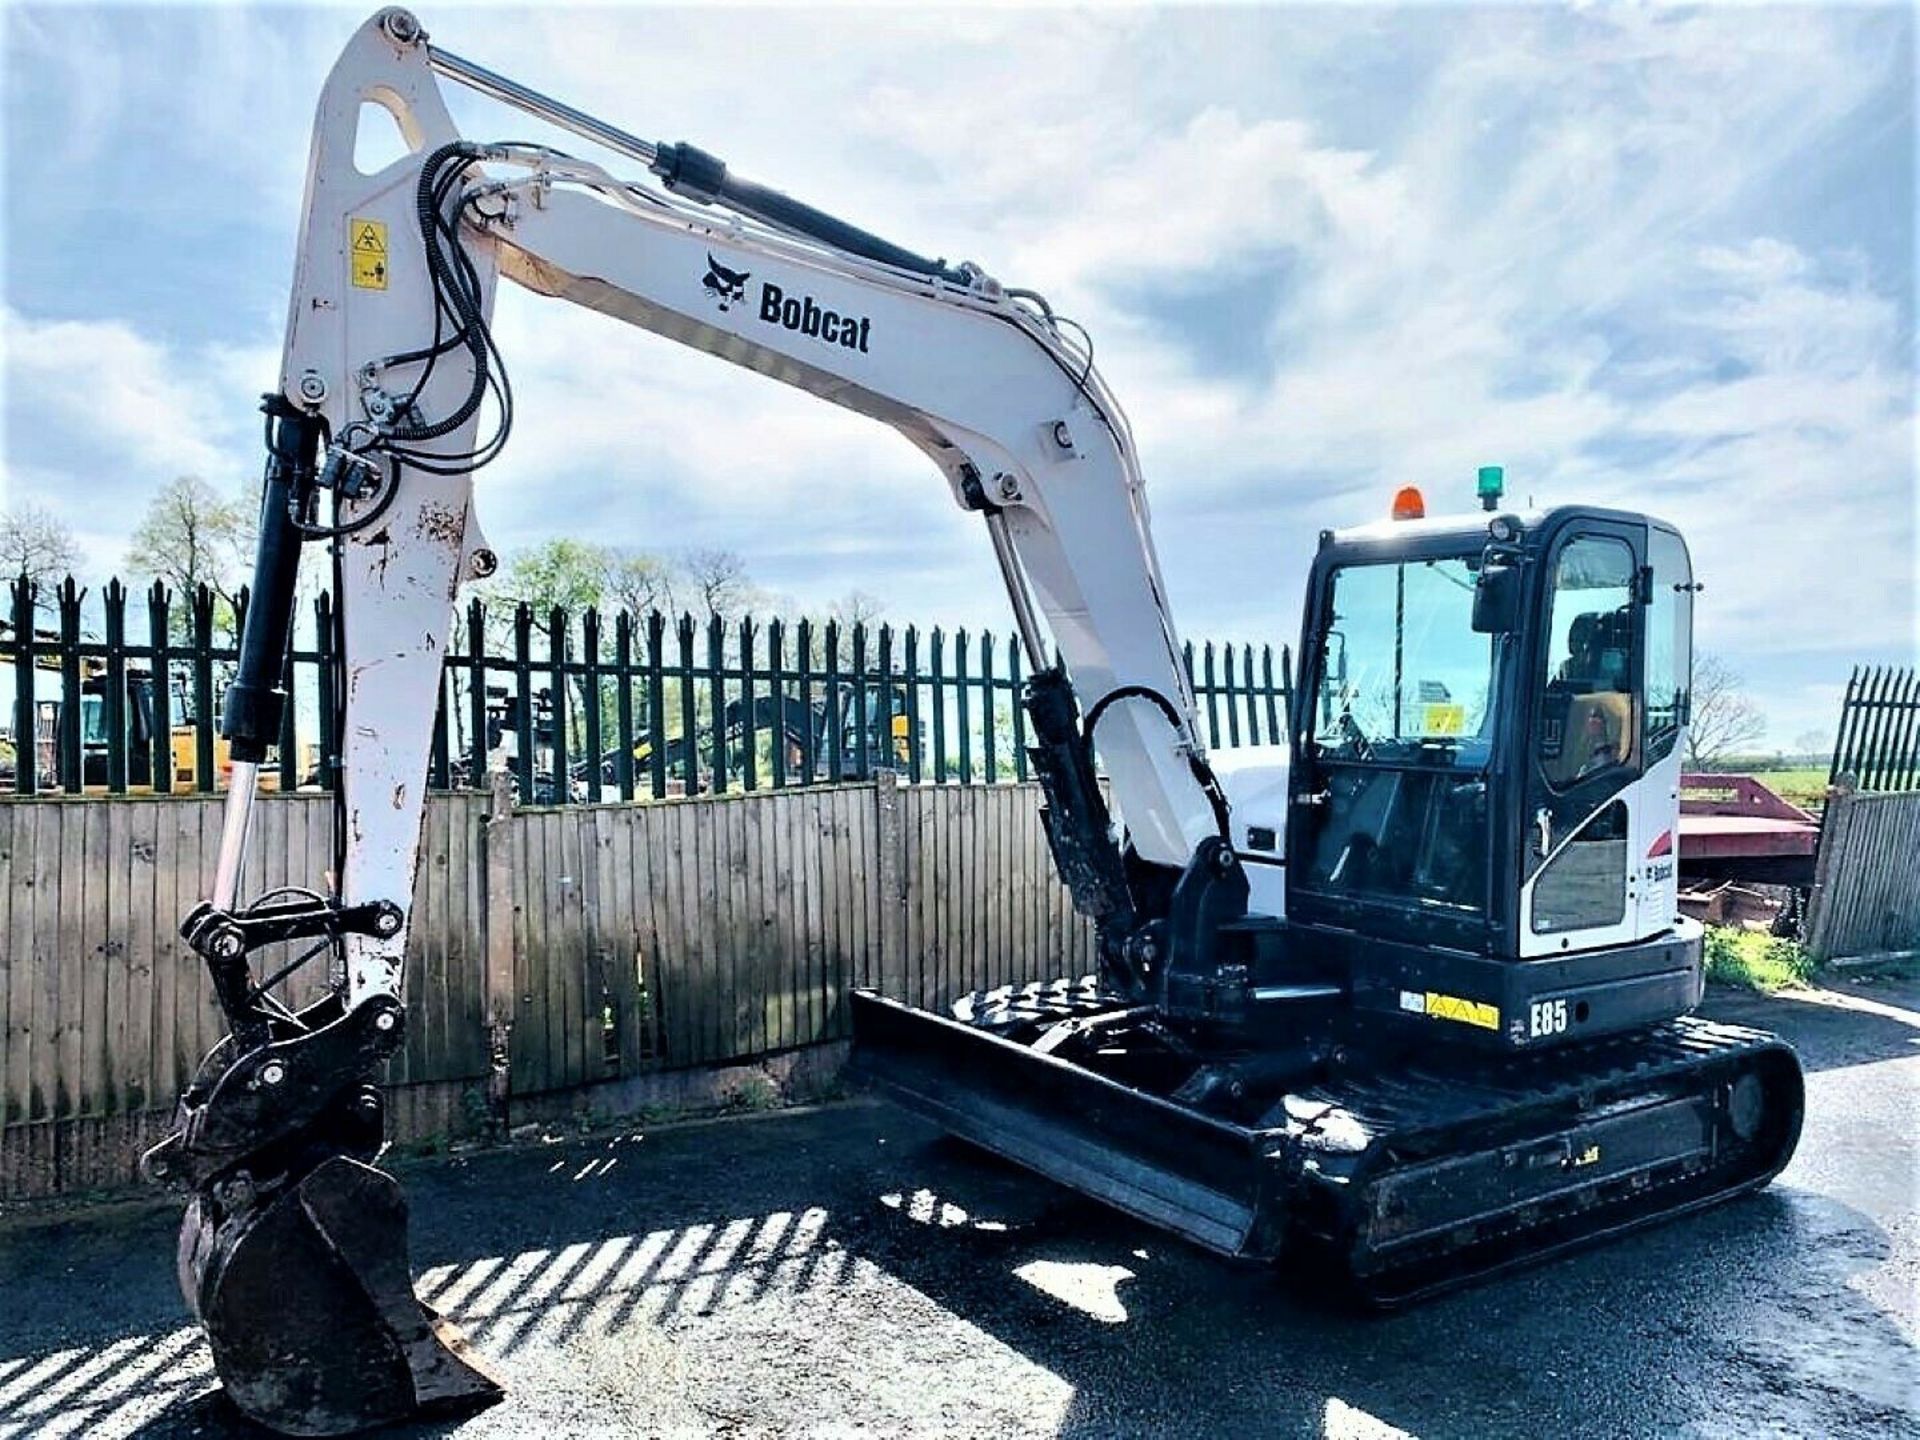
[(96, 741)]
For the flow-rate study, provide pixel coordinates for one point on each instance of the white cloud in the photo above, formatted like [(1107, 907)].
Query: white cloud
[(100, 416), (1320, 255)]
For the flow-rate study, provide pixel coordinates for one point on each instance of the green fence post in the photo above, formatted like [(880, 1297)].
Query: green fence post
[(1016, 689), (749, 723), (523, 700), (202, 661), (916, 747), (938, 686), (559, 693), (623, 704), (882, 707), (479, 740), (114, 703), (26, 748), (689, 712), (803, 645), (590, 700), (776, 681), (989, 749), (835, 729), (159, 604), (72, 780), (862, 711), (657, 703), (717, 702), (961, 677)]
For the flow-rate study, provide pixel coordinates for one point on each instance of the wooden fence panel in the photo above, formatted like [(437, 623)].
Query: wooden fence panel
[(685, 933), (1866, 897), (982, 905), (103, 1010)]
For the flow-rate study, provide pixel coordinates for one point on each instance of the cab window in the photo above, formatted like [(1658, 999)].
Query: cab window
[(1669, 642), (1588, 719)]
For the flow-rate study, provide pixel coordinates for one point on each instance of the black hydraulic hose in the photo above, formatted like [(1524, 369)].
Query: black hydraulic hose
[(427, 201), (250, 718), (1202, 772)]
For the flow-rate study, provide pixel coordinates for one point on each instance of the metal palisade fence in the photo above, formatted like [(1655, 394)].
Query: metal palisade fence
[(1878, 745), (580, 707)]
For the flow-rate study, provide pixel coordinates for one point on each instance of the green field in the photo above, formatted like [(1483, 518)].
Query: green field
[(1804, 785)]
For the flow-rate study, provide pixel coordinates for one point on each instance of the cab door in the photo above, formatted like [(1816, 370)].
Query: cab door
[(1585, 806), (1668, 667)]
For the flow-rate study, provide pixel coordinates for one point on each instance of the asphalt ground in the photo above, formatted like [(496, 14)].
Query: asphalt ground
[(848, 1271)]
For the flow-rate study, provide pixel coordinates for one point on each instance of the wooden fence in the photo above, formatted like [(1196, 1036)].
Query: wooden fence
[(628, 944), (1866, 892)]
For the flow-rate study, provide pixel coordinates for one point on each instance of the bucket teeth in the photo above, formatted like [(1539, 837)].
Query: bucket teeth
[(308, 1306)]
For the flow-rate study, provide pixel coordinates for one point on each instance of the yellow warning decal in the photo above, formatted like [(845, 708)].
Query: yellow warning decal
[(1443, 719), (368, 253), (1467, 1012)]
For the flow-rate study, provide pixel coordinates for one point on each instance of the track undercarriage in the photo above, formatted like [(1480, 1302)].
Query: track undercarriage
[(1403, 1172)]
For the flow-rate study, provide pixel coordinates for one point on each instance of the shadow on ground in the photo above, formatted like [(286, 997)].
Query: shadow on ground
[(849, 1268)]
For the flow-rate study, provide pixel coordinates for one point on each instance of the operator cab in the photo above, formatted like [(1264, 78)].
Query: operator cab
[(1486, 756)]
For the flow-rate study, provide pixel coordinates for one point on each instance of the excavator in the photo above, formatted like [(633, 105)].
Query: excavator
[(1407, 998)]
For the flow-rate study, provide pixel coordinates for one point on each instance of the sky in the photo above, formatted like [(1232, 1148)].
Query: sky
[(1658, 258)]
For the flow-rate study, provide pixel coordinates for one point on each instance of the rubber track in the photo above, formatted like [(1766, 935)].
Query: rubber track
[(1431, 1112)]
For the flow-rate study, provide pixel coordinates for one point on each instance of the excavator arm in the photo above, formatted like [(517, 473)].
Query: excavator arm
[(392, 393)]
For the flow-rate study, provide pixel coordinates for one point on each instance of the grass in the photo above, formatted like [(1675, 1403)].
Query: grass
[(1802, 785), (1805, 786), (1753, 961)]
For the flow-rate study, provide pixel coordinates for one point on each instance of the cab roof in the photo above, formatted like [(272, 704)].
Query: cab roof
[(1463, 529)]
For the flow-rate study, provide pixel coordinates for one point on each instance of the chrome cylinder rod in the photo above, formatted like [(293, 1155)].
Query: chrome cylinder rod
[(1017, 592), (233, 834), (554, 112)]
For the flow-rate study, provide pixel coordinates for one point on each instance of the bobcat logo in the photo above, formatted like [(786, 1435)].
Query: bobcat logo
[(726, 286)]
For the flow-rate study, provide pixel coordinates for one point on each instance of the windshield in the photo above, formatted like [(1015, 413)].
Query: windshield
[(1403, 676)]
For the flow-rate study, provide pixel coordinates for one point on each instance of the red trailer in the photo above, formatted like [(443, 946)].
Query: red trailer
[(1736, 834)]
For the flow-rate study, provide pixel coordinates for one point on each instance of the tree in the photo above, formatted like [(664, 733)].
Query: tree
[(638, 581), (190, 536), (1725, 717), (717, 581), (1813, 744), (34, 542), (857, 607), (571, 574)]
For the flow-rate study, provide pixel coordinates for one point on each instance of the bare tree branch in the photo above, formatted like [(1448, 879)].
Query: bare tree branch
[(719, 582), (36, 543), (1725, 718)]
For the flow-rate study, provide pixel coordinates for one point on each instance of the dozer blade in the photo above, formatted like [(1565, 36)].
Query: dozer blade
[(1163, 1163), (308, 1306)]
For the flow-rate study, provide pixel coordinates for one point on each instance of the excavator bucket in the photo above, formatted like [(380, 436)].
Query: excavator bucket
[(308, 1305)]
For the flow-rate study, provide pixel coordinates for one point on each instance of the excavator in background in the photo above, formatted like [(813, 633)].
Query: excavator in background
[(1406, 997), (94, 737), (810, 734)]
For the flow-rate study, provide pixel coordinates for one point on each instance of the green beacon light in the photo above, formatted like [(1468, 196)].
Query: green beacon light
[(1492, 484)]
